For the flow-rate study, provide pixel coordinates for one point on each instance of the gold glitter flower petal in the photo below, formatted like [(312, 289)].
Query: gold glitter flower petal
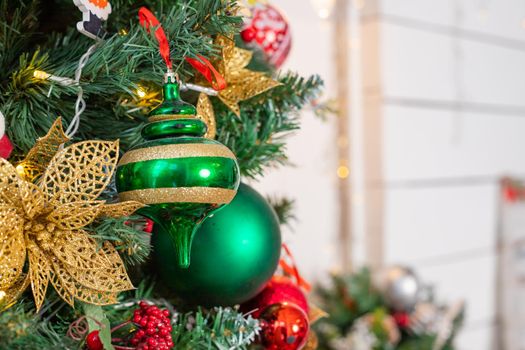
[(60, 288), (117, 210), (39, 275), (67, 285), (12, 248), (111, 279), (33, 200), (43, 151), (80, 172), (75, 215), (12, 294), (77, 250), (9, 182), (206, 113)]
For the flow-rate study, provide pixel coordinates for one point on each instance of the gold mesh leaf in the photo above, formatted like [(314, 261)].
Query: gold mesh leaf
[(44, 149), (80, 172), (206, 113), (113, 278), (39, 275), (77, 250), (68, 284), (75, 215), (9, 182), (12, 294), (12, 246), (33, 200), (116, 210), (61, 289)]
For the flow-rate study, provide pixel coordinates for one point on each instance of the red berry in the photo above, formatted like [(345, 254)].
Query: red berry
[(143, 322), (140, 333), (166, 313), (93, 341), (143, 305), (164, 332), (152, 342), (402, 319), (151, 331)]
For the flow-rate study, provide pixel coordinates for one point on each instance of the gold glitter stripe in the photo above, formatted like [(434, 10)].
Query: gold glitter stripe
[(160, 117), (212, 195), (176, 151)]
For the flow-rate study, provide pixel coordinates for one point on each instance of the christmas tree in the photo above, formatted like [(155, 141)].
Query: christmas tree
[(102, 142)]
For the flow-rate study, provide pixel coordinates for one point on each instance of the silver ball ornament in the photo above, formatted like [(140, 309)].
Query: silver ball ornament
[(400, 288)]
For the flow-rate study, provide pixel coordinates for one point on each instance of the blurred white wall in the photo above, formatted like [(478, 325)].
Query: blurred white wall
[(448, 94), (438, 88)]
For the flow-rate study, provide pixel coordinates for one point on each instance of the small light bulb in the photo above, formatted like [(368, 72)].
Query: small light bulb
[(123, 31), (141, 92), (39, 74), (343, 172), (20, 169), (2, 294)]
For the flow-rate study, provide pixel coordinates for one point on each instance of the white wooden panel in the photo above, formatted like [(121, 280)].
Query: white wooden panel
[(429, 66), (486, 19), (423, 224), (471, 280), (475, 338), (422, 143), (493, 75), (430, 11), (499, 18), (417, 64)]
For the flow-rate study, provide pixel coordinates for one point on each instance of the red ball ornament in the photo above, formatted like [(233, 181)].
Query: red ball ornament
[(269, 30), (93, 341), (284, 327), (279, 290), (402, 319)]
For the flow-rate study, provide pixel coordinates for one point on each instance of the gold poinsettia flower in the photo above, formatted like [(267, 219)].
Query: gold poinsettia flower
[(43, 224), (241, 82)]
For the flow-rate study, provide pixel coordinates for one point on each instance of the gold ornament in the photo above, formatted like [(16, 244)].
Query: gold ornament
[(44, 223), (35, 163), (206, 113), (242, 83)]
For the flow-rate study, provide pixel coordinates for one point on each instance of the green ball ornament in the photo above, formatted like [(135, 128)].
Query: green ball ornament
[(181, 176), (234, 254)]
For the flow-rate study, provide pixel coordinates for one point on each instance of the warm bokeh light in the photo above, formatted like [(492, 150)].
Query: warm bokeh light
[(343, 172)]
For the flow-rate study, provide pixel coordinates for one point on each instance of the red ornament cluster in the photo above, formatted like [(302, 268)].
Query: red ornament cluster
[(154, 325), (268, 29)]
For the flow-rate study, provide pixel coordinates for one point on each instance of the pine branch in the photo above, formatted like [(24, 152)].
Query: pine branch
[(257, 137)]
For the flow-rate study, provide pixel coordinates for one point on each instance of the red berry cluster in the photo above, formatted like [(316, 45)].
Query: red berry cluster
[(154, 331)]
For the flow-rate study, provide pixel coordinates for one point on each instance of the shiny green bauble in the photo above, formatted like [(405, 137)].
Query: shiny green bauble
[(234, 254), (181, 176)]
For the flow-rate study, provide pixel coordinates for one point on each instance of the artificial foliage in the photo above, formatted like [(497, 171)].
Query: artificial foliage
[(359, 317), (121, 82)]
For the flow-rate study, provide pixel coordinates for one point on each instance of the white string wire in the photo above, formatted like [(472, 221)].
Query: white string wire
[(80, 104)]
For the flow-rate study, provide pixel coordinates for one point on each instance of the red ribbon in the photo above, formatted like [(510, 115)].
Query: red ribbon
[(209, 72), (292, 269), (147, 19)]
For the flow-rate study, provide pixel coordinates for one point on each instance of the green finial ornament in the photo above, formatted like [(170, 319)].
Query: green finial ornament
[(180, 175)]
